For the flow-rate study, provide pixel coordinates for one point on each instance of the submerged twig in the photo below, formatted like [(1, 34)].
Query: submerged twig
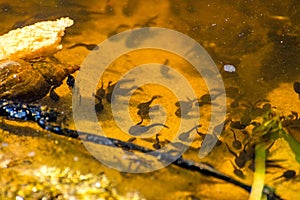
[(200, 167), (46, 118)]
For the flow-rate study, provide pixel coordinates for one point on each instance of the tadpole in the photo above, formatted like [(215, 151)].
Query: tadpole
[(204, 99), (184, 107), (208, 98), (241, 158), (144, 108), (164, 69), (237, 171), (156, 145), (111, 87), (100, 93), (237, 125), (146, 105), (98, 106), (89, 47), (236, 143), (210, 138), (185, 135), (140, 129), (288, 174)]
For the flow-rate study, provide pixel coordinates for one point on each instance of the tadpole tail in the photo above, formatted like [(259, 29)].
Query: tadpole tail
[(87, 46), (158, 124)]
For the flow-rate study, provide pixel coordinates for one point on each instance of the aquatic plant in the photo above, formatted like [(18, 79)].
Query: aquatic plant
[(264, 135), (272, 129)]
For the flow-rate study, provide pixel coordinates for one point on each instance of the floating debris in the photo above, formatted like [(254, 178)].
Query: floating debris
[(280, 18), (229, 68)]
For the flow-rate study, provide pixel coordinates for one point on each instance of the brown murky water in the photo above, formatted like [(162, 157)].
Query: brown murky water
[(261, 39)]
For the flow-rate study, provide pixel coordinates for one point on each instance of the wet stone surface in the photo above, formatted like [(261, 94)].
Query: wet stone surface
[(27, 82)]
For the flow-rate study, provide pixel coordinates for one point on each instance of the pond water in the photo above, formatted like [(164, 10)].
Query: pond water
[(258, 39)]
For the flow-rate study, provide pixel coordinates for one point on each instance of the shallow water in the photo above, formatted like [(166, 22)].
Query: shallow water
[(261, 39)]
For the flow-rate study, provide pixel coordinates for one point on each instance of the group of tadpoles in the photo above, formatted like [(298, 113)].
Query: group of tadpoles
[(47, 119)]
